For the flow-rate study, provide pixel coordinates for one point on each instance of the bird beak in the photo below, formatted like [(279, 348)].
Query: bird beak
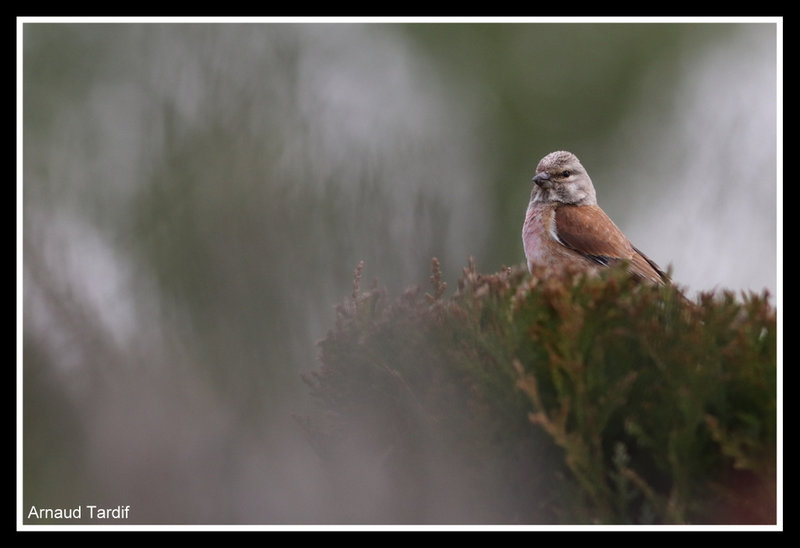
[(542, 180)]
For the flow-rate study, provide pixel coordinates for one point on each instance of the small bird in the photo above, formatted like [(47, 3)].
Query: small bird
[(565, 229)]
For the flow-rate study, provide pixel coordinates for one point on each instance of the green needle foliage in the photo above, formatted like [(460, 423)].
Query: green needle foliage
[(551, 399)]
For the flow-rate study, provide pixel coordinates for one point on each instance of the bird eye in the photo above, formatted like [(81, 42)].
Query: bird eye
[(565, 173)]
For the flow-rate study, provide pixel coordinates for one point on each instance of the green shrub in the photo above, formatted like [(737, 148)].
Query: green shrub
[(549, 399)]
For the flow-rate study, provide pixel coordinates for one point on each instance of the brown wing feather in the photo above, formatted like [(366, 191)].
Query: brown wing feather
[(645, 267), (589, 231)]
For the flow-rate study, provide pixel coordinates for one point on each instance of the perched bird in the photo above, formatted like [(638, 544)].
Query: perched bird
[(565, 229)]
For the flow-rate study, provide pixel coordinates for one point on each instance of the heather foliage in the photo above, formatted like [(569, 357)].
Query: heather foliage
[(525, 398)]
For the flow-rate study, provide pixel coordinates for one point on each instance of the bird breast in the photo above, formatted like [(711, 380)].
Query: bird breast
[(540, 236)]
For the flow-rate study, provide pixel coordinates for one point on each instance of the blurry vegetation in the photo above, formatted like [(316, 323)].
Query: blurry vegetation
[(554, 400)]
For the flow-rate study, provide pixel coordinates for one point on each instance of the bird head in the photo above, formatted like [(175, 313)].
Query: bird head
[(560, 177)]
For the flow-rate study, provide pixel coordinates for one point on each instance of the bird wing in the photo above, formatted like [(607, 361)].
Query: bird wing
[(642, 269), (587, 230)]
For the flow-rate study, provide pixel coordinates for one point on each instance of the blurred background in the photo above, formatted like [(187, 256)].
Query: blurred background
[(196, 197)]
